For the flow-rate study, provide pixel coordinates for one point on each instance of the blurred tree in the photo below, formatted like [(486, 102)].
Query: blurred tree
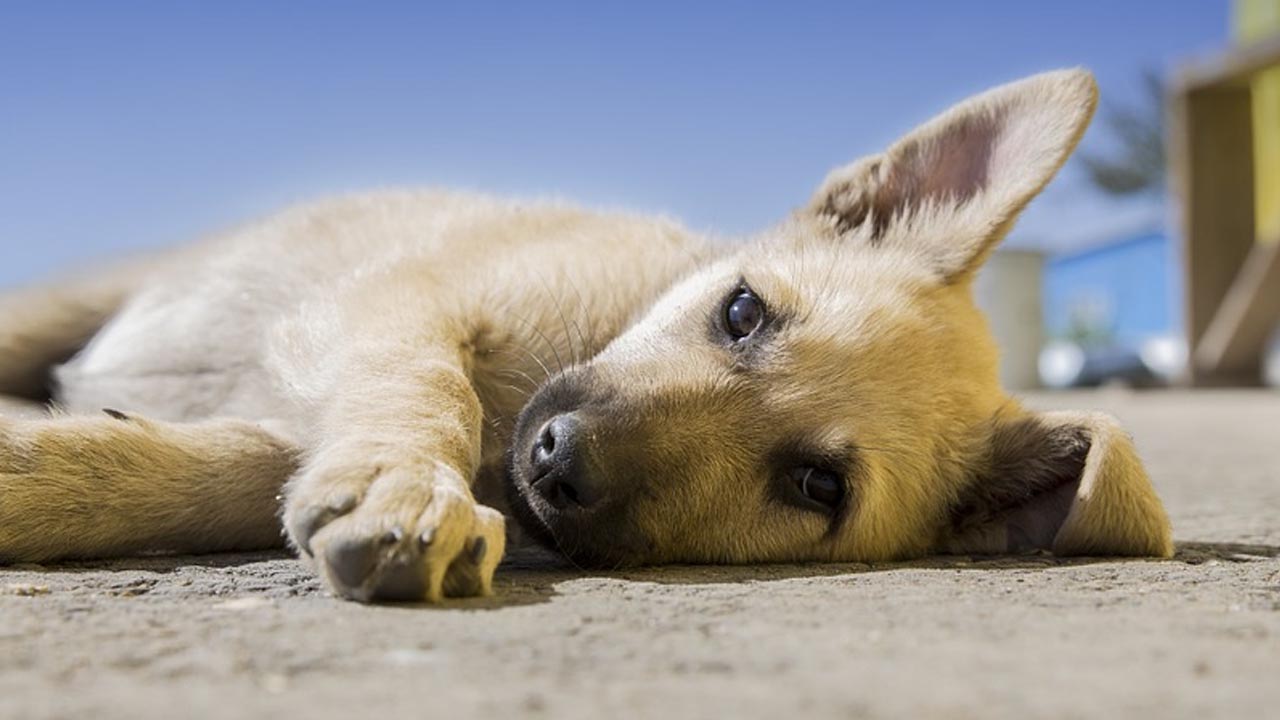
[(1138, 165), (1089, 324)]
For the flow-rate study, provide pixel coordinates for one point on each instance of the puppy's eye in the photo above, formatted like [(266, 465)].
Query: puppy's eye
[(743, 314), (821, 486)]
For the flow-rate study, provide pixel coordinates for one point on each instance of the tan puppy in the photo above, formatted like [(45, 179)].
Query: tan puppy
[(400, 362)]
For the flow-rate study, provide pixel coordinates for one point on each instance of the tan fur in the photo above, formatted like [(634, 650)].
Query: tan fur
[(101, 487), (46, 325), (390, 342), (1115, 510)]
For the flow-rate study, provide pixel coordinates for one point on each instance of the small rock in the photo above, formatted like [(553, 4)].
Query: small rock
[(407, 657), (26, 589), (274, 683), (250, 602)]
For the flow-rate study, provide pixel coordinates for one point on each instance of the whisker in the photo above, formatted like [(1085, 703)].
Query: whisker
[(519, 375), (618, 564), (533, 356), (565, 553), (541, 335), (568, 336), (524, 394), (587, 346), (554, 350)]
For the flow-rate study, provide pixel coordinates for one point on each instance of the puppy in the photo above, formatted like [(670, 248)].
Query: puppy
[(386, 372)]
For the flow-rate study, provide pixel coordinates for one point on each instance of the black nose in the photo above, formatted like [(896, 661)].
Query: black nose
[(560, 464)]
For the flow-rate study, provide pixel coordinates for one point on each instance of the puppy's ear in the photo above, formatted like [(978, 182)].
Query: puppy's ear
[(1067, 482), (953, 187)]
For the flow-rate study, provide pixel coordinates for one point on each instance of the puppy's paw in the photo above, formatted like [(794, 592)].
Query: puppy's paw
[(398, 533)]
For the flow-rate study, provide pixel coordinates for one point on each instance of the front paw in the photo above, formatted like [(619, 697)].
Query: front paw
[(401, 533)]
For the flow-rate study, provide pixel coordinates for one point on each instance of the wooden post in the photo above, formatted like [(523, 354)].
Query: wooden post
[(1211, 158)]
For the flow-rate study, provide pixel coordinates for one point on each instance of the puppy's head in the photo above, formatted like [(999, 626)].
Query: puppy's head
[(829, 392)]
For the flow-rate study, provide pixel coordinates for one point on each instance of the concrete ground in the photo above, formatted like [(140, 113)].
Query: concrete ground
[(255, 636)]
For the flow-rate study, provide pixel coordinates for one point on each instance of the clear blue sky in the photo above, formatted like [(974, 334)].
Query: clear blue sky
[(129, 124)]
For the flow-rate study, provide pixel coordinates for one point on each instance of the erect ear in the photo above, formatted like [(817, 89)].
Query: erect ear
[(952, 188), (1068, 482)]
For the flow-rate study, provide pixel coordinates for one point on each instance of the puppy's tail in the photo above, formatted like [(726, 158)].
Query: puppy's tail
[(44, 325)]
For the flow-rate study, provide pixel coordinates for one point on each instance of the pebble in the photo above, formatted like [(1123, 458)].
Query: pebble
[(26, 589)]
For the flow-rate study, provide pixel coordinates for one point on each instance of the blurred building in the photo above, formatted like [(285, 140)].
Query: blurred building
[(1124, 292), (1008, 290), (1257, 22), (1111, 313), (1108, 312), (1224, 150), (1200, 304)]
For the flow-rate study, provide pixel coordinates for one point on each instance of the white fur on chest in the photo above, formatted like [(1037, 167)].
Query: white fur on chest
[(176, 356)]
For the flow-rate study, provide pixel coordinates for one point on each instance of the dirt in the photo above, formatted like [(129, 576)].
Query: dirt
[(255, 635)]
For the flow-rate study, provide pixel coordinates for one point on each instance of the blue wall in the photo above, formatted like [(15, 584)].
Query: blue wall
[(1125, 291)]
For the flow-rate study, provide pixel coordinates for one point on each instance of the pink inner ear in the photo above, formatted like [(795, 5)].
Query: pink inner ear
[(950, 166), (1028, 528), (956, 184), (1021, 499), (1035, 525)]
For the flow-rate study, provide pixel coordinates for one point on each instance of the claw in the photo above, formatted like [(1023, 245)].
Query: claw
[(351, 561), (311, 519)]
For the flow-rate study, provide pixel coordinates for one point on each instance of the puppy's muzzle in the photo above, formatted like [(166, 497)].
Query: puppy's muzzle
[(560, 464)]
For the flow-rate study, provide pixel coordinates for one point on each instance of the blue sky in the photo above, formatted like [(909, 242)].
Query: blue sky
[(128, 124)]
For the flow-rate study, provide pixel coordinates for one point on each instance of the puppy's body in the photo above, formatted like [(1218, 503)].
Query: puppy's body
[(824, 392), (253, 325)]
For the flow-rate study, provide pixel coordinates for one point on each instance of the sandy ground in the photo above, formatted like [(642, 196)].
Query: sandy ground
[(255, 636)]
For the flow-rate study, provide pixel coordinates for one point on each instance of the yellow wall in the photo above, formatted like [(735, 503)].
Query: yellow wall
[(1254, 20)]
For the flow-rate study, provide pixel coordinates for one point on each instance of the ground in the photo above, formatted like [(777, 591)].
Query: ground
[(255, 635)]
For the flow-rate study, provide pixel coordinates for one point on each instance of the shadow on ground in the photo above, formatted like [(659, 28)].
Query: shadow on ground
[(529, 575)]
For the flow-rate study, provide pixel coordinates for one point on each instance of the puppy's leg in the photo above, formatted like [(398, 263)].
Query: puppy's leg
[(80, 487), (384, 503)]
